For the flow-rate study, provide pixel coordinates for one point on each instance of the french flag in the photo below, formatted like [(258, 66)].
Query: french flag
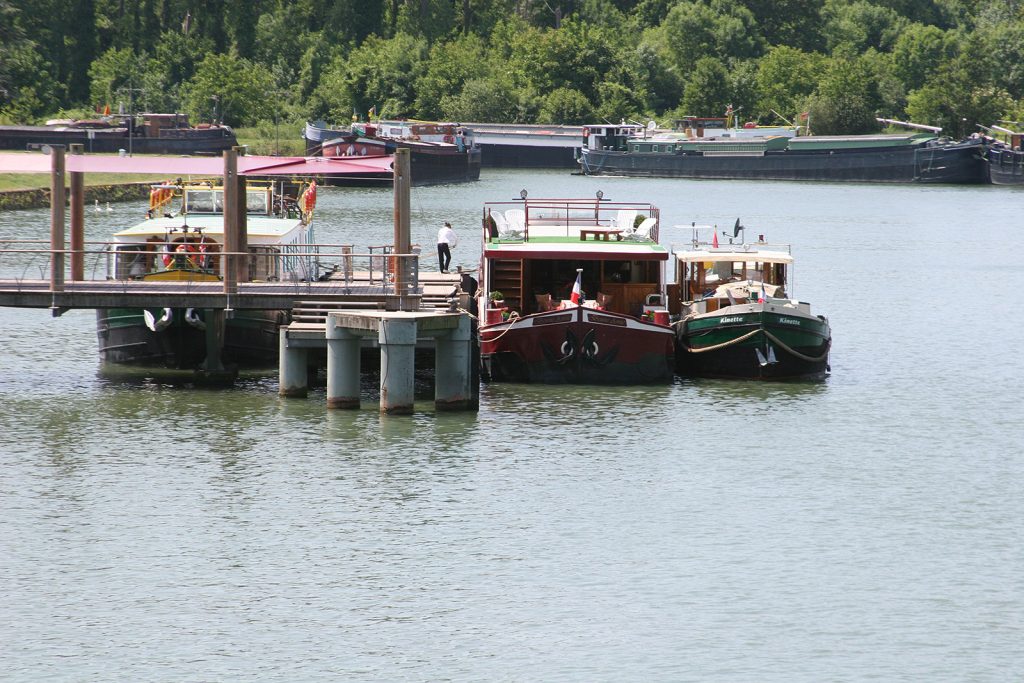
[(577, 290)]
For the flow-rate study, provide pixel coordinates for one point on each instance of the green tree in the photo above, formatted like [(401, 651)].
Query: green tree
[(566, 106), (859, 25), (240, 92), (429, 19), (962, 92), (794, 23), (1006, 46), (957, 107), (708, 92), (785, 78), (483, 100), (379, 73), (918, 52), (846, 100), (24, 98), (448, 68), (662, 85), (117, 76), (718, 28), (574, 57)]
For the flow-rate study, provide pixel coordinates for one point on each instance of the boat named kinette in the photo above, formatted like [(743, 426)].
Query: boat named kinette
[(738, 318)]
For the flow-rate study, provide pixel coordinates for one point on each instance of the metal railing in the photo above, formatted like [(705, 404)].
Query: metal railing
[(377, 270)]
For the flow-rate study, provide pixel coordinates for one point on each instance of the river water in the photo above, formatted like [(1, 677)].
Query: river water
[(868, 527)]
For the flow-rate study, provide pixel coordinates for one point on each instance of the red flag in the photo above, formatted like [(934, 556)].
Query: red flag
[(577, 290), (714, 239)]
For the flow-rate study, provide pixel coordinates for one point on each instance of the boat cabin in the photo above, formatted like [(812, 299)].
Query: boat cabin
[(700, 126), (610, 137), (534, 248), (710, 277), (185, 244)]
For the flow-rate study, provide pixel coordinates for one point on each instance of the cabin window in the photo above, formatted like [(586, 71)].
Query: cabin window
[(636, 148), (204, 201), (654, 148), (257, 202), (669, 148)]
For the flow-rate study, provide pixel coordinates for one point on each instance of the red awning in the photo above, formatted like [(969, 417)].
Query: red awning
[(35, 162)]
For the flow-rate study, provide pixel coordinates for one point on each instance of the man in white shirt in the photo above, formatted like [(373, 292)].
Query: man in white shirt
[(446, 239)]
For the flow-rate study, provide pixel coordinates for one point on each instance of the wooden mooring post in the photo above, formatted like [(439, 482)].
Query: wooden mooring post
[(57, 166), (77, 206)]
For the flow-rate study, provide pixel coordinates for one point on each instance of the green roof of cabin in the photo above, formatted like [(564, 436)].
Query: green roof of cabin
[(857, 141)]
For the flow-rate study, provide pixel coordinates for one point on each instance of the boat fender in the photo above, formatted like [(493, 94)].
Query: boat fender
[(193, 319), (153, 323)]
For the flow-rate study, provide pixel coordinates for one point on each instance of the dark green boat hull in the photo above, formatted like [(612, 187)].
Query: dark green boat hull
[(758, 344), (251, 339)]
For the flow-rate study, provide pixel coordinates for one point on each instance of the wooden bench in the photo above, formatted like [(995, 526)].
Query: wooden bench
[(601, 234)]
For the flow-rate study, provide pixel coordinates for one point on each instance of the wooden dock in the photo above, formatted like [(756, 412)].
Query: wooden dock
[(309, 299)]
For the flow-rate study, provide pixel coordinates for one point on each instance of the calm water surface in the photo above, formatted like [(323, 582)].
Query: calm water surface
[(865, 528)]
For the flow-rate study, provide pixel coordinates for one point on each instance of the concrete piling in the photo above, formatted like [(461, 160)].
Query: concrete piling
[(343, 367), (397, 338), (452, 368), (293, 380)]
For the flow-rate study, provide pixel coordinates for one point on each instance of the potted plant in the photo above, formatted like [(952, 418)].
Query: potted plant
[(497, 299)]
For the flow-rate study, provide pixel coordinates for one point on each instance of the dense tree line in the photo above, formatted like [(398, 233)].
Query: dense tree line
[(952, 63)]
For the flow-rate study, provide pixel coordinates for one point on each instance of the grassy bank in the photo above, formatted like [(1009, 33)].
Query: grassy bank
[(39, 181), (285, 139)]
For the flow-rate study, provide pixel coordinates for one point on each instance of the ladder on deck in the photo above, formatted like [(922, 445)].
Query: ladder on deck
[(507, 278)]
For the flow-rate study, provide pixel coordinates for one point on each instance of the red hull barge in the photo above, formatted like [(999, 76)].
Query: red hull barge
[(572, 291)]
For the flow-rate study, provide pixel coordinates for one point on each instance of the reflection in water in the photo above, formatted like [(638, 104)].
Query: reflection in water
[(729, 394), (234, 528)]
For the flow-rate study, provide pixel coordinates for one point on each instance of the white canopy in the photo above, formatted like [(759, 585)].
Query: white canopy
[(734, 254)]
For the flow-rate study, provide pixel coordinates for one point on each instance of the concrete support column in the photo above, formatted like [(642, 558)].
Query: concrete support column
[(343, 367), (397, 362), (453, 368), (293, 382)]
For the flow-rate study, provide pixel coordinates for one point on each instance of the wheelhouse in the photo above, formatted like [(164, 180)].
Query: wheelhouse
[(187, 243)]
